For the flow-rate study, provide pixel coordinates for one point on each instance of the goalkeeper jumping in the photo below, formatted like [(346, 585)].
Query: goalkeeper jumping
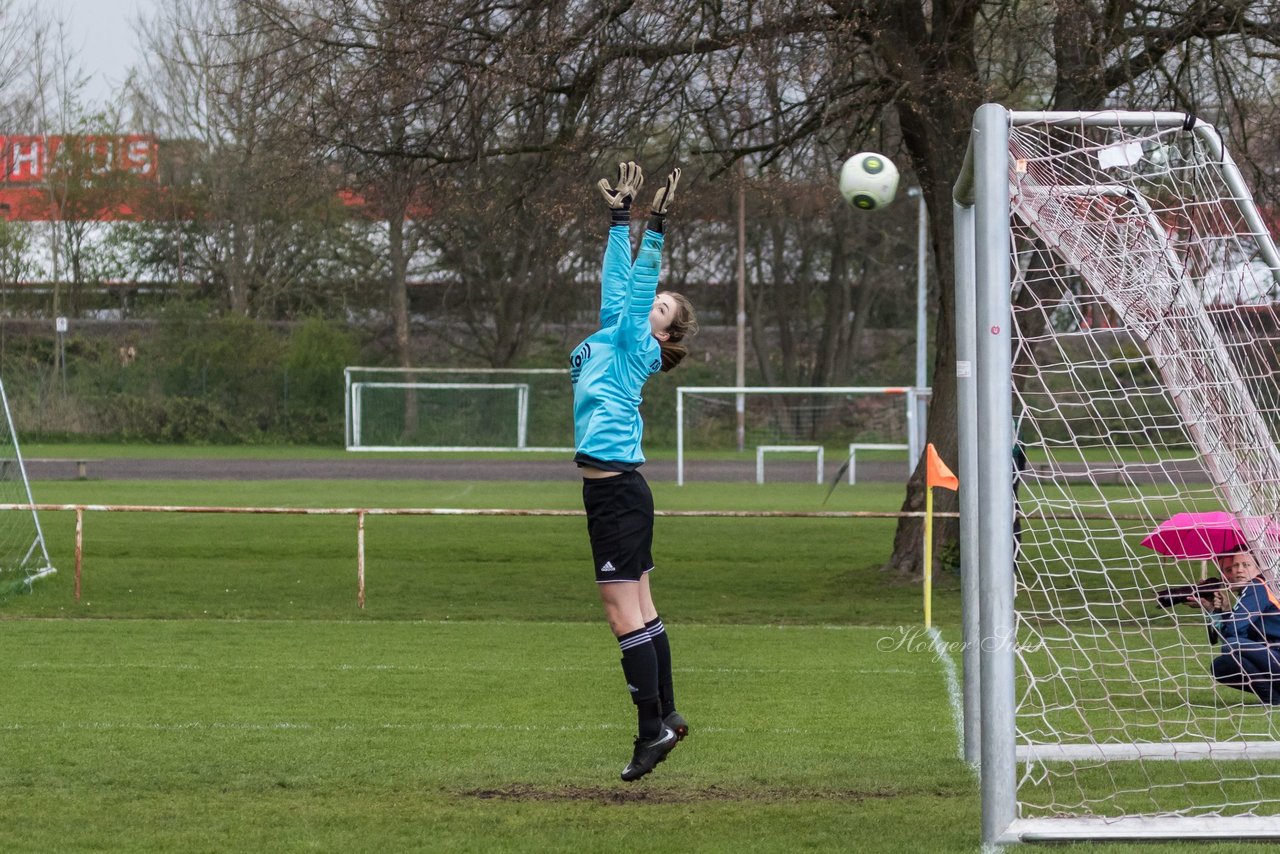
[(640, 333)]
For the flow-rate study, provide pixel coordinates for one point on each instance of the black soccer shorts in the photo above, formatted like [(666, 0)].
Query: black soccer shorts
[(620, 524)]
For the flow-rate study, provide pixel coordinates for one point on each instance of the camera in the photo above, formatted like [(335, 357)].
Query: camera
[(1170, 596)]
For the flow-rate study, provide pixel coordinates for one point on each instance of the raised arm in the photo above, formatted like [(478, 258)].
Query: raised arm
[(615, 272), (635, 328)]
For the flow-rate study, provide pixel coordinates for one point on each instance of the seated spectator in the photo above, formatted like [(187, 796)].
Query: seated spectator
[(1249, 631)]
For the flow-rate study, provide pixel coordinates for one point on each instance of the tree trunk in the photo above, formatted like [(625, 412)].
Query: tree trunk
[(829, 361), (398, 301), (908, 541), (237, 272), (760, 342), (398, 295), (935, 128)]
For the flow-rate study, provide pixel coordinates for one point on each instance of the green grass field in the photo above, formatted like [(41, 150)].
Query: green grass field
[(218, 689)]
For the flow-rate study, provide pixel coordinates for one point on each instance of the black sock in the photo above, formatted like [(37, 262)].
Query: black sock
[(662, 649), (640, 666)]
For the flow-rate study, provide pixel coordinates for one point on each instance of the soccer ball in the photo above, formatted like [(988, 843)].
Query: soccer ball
[(868, 181)]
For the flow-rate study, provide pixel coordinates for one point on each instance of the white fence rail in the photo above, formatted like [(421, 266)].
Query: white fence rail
[(361, 512)]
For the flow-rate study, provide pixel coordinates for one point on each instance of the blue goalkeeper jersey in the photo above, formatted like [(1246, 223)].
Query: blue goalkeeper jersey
[(609, 369)]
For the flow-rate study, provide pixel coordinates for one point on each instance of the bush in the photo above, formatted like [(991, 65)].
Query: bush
[(314, 359), (189, 378), (171, 420), (235, 361)]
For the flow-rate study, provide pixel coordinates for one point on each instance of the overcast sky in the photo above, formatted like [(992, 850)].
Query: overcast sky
[(101, 32)]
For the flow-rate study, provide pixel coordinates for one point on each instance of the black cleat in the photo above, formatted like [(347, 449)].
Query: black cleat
[(649, 753), (677, 723)]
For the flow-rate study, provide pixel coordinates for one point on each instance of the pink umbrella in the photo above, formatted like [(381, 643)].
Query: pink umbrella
[(1206, 535)]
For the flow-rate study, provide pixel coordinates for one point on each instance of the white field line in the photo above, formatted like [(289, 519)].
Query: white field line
[(953, 686)]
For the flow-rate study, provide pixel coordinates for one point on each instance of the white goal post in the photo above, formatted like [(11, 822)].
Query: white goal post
[(24, 557), (796, 415), (457, 409), (1116, 319)]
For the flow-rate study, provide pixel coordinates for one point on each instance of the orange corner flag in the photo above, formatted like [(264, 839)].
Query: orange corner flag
[(937, 473)]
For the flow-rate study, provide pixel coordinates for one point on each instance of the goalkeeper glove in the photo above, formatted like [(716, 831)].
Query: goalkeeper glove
[(619, 196), (662, 202)]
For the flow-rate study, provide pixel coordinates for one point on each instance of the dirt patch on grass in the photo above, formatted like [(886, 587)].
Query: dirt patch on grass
[(643, 794)]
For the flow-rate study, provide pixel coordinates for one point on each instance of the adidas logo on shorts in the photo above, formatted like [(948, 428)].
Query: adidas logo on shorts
[(608, 567)]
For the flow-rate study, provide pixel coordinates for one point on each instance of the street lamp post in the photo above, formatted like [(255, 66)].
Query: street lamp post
[(741, 373), (918, 431)]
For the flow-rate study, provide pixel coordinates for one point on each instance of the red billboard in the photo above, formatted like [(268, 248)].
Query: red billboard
[(65, 177)]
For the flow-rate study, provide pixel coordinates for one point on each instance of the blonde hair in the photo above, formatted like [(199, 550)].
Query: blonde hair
[(684, 324)]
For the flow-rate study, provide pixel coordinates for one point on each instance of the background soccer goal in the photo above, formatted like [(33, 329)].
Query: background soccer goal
[(719, 421), (24, 557), (457, 409), (1116, 316)]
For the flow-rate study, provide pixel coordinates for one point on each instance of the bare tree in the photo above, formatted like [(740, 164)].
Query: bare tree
[(258, 199), (23, 32), (429, 108)]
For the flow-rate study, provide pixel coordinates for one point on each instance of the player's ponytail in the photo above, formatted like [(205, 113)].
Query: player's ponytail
[(672, 354), (683, 325)]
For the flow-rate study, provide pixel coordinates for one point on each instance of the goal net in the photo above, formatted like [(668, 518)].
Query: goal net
[(1132, 356), (718, 423), (23, 556), (457, 409)]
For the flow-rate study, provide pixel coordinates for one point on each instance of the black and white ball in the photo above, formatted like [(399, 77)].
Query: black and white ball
[(868, 181)]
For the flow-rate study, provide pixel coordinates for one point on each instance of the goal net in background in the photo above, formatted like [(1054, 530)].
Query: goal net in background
[(457, 409), (1145, 380), (721, 422), (24, 557)]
